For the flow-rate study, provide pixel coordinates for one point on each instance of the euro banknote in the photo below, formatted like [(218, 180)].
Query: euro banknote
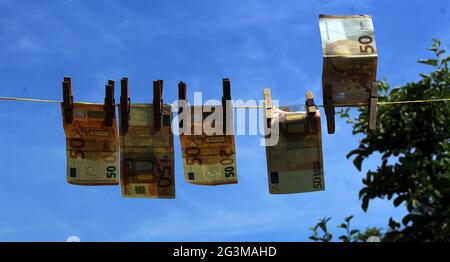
[(295, 163), (208, 159), (147, 155), (91, 147), (349, 58)]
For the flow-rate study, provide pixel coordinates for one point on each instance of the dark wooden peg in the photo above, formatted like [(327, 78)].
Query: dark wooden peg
[(373, 106), (157, 103), (181, 90), (67, 100), (226, 103), (329, 108), (109, 107), (182, 98), (124, 105)]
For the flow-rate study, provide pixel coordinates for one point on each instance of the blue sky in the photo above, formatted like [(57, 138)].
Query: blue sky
[(254, 43)]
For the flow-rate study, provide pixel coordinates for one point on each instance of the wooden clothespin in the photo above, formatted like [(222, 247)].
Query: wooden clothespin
[(157, 103), (110, 108), (373, 107), (67, 100), (226, 97), (268, 106), (182, 99), (310, 112), (124, 105), (329, 107), (182, 91)]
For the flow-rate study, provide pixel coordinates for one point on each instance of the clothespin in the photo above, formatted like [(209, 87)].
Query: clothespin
[(110, 108), (124, 105), (329, 107), (157, 103), (67, 100), (226, 97), (310, 112), (182, 91), (182, 99), (268, 106), (373, 107)]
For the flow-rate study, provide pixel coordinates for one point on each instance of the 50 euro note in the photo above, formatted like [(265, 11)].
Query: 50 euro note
[(147, 155), (295, 163), (349, 58), (208, 158), (91, 147)]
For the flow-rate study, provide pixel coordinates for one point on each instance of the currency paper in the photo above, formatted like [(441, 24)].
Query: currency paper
[(350, 58), (147, 155), (91, 147), (209, 159), (295, 163)]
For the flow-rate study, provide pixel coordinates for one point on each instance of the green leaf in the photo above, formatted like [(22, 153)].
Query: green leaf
[(323, 224), (445, 60), (358, 162), (440, 52), (313, 238), (343, 225), (409, 218), (357, 151), (365, 203), (400, 199), (393, 224), (436, 45), (363, 192), (432, 62), (347, 219), (344, 238), (354, 231), (424, 75)]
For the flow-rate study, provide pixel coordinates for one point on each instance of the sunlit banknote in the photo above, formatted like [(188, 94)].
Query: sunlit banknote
[(295, 163), (147, 155), (350, 57), (91, 146), (208, 159)]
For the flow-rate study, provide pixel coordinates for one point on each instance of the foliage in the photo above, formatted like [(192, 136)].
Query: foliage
[(322, 225), (351, 235), (414, 142)]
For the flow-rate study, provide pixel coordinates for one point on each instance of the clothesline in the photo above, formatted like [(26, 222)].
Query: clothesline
[(235, 106)]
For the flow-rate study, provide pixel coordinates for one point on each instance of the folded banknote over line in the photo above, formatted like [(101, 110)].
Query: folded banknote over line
[(349, 58), (91, 147)]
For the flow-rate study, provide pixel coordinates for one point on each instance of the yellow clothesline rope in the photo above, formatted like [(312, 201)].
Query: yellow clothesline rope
[(236, 106)]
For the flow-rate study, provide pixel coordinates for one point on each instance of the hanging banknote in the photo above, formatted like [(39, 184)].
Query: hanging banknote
[(91, 147), (349, 58), (208, 158), (147, 155), (295, 163)]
